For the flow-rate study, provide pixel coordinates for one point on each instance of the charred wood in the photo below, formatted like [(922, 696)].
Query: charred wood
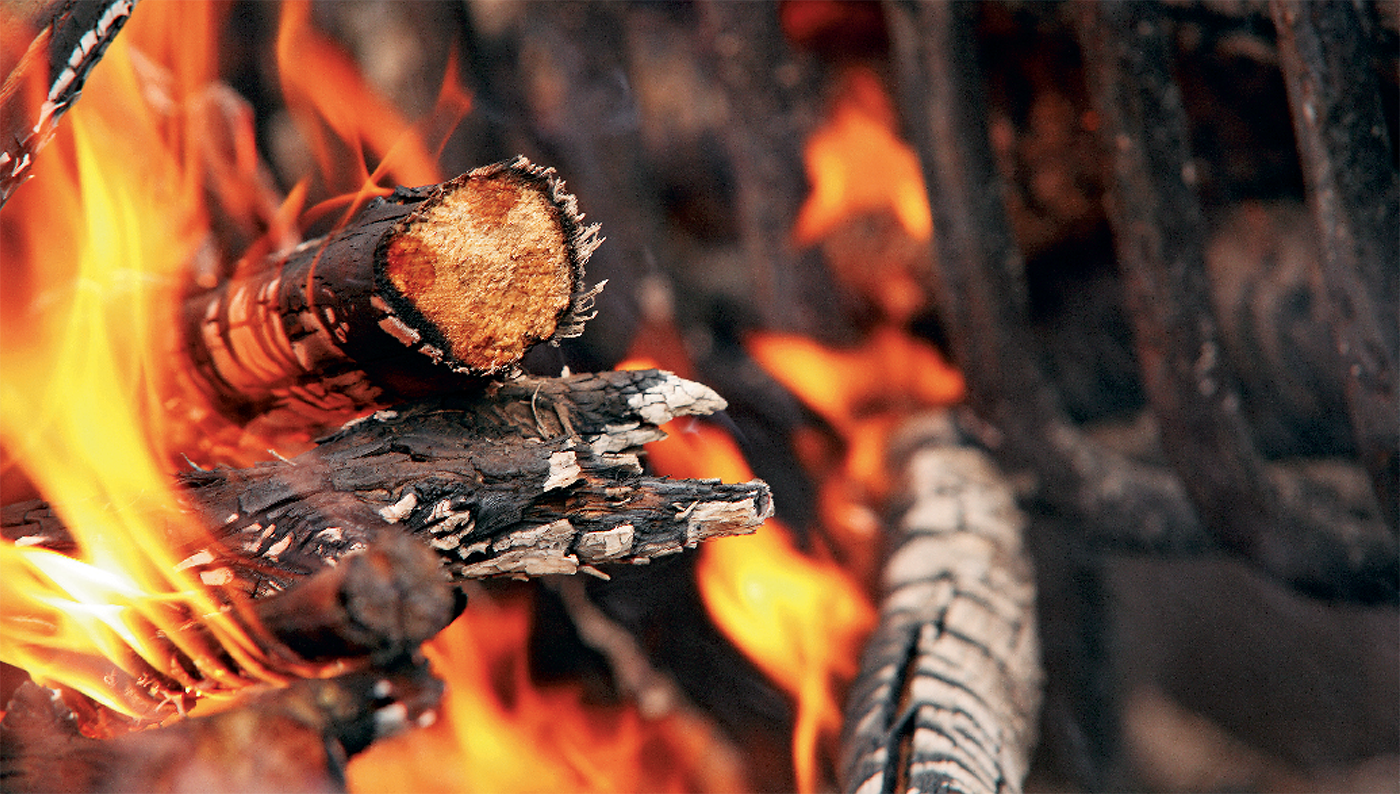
[(71, 40), (775, 98), (1349, 166), (453, 279), (981, 299), (529, 477), (1015, 411), (293, 739), (949, 689)]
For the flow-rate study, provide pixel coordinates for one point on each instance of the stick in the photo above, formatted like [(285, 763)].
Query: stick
[(461, 277), (531, 477), (948, 692), (1355, 195)]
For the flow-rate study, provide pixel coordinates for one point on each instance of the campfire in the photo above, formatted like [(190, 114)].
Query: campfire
[(705, 396)]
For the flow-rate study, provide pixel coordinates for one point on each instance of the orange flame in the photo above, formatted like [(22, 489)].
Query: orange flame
[(96, 247), (856, 163), (501, 733), (801, 619), (325, 90)]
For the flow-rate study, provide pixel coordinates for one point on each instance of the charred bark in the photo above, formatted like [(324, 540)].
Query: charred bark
[(457, 279), (292, 739), (949, 689), (530, 477)]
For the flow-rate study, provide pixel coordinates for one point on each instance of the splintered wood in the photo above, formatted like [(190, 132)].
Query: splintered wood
[(949, 689), (457, 279)]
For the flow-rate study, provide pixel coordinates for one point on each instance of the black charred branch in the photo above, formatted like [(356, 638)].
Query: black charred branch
[(530, 477), (1328, 62), (980, 290)]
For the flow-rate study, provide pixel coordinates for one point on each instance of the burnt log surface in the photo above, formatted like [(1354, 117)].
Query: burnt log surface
[(948, 694), (528, 477), (296, 738)]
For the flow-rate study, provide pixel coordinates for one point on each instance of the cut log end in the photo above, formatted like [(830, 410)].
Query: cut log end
[(493, 262)]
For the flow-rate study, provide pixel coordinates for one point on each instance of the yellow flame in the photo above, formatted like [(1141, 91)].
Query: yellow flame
[(799, 618), (95, 248), (857, 162), (501, 733)]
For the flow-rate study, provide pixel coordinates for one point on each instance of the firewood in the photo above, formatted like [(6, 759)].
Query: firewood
[(453, 279), (528, 477), (293, 739), (948, 692)]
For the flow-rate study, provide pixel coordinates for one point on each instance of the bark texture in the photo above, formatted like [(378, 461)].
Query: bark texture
[(948, 694)]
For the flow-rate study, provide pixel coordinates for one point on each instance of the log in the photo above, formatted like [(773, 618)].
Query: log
[(529, 477), (467, 275), (296, 738), (948, 693)]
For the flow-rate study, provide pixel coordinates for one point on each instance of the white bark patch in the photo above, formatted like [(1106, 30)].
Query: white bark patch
[(399, 510), (674, 397), (563, 470), (608, 544)]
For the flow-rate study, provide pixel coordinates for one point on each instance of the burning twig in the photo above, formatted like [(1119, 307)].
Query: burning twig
[(468, 275), (70, 43), (949, 690)]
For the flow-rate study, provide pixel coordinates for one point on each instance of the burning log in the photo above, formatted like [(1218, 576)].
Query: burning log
[(530, 477), (468, 275), (292, 739), (949, 690)]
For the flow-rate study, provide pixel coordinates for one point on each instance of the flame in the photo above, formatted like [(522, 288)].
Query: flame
[(800, 618), (334, 106), (96, 250), (499, 732), (856, 163)]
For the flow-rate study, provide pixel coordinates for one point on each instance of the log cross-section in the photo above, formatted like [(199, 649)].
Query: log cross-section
[(949, 689), (457, 279)]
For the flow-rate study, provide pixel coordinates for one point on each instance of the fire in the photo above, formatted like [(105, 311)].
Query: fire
[(499, 732), (800, 618), (97, 248), (335, 107), (856, 163)]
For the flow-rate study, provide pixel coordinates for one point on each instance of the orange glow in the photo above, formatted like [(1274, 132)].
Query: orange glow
[(857, 163), (863, 393), (500, 733), (326, 93), (96, 250), (799, 618)]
